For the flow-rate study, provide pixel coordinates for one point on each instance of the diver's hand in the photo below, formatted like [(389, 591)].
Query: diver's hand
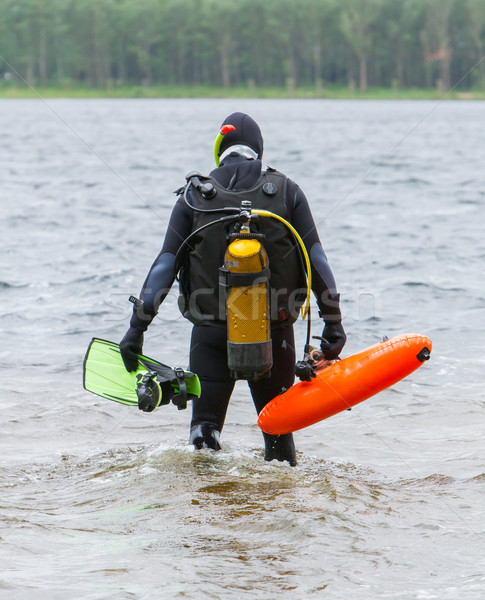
[(333, 341), (132, 343), (130, 346)]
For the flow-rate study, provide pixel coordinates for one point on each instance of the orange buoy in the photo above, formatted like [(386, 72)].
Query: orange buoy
[(345, 383)]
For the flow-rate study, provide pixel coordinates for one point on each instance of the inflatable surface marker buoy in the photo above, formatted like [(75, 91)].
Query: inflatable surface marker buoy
[(345, 383)]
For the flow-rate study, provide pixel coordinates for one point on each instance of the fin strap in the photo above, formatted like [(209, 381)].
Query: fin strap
[(180, 399)]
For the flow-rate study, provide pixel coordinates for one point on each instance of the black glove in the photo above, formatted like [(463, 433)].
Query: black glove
[(130, 346), (334, 340), (132, 343)]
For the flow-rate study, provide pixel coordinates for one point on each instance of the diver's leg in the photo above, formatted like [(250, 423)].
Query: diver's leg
[(209, 413), (208, 359), (279, 447)]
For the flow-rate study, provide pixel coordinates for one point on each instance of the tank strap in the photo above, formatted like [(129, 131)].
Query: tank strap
[(228, 279)]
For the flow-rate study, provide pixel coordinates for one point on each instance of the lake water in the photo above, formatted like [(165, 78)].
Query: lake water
[(100, 501)]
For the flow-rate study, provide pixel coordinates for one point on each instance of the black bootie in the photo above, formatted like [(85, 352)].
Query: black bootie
[(280, 447), (205, 435)]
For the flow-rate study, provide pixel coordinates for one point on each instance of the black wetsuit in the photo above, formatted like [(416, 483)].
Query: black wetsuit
[(208, 356)]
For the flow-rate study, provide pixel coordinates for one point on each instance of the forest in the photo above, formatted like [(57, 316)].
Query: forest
[(250, 44)]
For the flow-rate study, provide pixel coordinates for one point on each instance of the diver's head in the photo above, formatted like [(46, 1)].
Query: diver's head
[(239, 133)]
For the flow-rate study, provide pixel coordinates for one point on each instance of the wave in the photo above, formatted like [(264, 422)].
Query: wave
[(4, 285)]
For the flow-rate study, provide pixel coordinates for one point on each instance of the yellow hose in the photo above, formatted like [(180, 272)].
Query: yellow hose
[(267, 213)]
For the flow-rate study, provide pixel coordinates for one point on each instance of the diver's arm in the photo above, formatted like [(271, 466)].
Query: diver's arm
[(323, 281), (157, 284), (161, 275)]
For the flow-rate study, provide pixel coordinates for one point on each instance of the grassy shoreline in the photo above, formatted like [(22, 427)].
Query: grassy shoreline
[(337, 93)]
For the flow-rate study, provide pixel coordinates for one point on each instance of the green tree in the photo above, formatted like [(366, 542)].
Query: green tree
[(19, 17), (476, 11), (145, 21), (358, 17), (401, 20), (436, 39)]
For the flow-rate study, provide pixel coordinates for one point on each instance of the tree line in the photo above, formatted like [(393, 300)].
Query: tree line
[(255, 43)]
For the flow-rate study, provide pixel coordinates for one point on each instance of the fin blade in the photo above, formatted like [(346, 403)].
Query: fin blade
[(104, 374)]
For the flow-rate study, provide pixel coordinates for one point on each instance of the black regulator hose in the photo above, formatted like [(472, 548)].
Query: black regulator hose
[(227, 219), (231, 209)]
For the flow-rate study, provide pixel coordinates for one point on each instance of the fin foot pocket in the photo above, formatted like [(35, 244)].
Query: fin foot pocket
[(148, 391)]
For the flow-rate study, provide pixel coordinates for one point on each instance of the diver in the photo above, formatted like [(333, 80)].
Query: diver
[(206, 216)]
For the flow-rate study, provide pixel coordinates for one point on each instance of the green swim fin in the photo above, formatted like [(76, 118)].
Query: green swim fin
[(104, 374)]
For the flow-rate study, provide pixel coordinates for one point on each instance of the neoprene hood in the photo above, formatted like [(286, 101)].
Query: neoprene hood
[(247, 133)]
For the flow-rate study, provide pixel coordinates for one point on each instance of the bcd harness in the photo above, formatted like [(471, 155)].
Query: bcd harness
[(243, 268)]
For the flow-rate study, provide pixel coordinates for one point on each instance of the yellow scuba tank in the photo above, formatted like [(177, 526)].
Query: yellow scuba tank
[(245, 277)]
